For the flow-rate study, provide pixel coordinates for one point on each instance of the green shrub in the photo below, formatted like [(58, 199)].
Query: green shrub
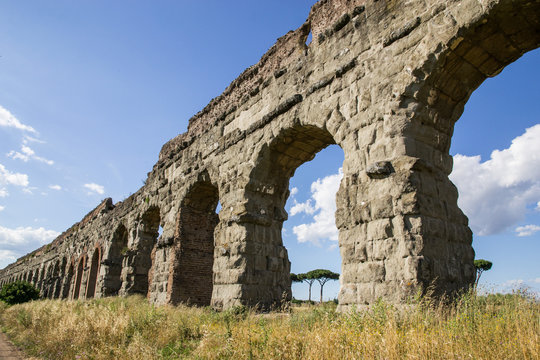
[(18, 292)]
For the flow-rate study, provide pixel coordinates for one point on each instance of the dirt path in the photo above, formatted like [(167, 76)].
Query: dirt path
[(7, 350)]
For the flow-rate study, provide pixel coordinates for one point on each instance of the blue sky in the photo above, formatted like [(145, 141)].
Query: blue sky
[(91, 90)]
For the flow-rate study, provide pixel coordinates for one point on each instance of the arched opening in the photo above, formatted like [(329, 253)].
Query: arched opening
[(140, 260), (41, 279), (192, 276), (310, 233), (54, 281), (29, 276), (60, 274), (79, 277), (94, 271), (478, 51), (66, 286), (114, 261), (268, 193), (497, 174), (46, 283), (35, 277)]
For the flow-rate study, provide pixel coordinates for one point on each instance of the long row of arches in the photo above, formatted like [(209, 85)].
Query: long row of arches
[(64, 278), (138, 261)]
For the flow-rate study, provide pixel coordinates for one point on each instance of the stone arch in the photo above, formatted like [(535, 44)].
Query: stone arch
[(68, 279), (47, 280), (191, 275), (81, 265), (444, 84), (35, 277), (55, 278), (93, 273), (41, 278), (261, 263), (139, 259), (114, 261), (59, 270)]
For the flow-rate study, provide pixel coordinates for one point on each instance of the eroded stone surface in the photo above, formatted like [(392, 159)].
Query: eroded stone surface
[(386, 81)]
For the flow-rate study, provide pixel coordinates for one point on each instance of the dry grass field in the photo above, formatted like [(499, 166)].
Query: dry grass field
[(483, 327)]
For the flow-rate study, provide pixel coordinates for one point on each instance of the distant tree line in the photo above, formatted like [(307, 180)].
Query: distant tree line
[(322, 276)]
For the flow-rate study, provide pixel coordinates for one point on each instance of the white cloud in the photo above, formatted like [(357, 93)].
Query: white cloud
[(25, 236), (9, 178), (3, 192), (95, 188), (495, 194), (2, 208), (538, 206), (28, 139), (26, 154), (29, 190), (7, 257), (513, 283), (55, 187), (323, 195), (531, 284), (527, 230), (294, 191), (305, 207), (19, 241), (8, 120)]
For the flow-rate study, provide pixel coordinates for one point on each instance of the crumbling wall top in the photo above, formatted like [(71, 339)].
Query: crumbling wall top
[(284, 52)]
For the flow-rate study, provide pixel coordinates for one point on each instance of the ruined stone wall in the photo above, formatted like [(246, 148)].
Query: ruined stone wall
[(386, 81)]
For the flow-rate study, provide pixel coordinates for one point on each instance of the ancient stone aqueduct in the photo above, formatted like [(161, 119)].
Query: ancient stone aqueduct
[(386, 81)]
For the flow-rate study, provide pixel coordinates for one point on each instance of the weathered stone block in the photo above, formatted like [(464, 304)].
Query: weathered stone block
[(379, 229)]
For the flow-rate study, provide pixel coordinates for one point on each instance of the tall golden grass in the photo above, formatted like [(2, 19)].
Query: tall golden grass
[(484, 327)]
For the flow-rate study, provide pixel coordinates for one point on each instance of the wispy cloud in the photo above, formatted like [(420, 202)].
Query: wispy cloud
[(29, 139), (27, 154), (517, 283), (7, 119), (10, 178), (29, 190), (7, 257), (322, 205), (494, 194), (95, 188), (55, 187), (527, 230), (3, 192), (2, 208)]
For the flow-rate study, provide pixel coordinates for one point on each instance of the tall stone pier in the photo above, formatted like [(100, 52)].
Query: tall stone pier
[(386, 81)]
